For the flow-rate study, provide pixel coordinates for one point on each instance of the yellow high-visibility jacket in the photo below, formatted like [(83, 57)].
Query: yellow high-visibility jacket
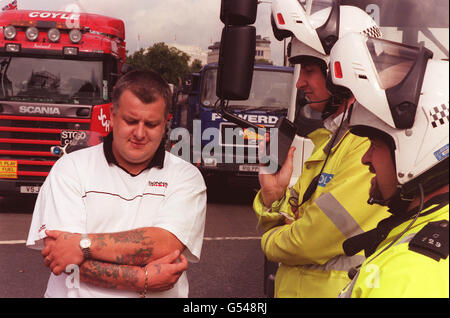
[(310, 253), (401, 272)]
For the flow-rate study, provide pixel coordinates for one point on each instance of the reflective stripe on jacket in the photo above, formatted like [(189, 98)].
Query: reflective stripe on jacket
[(400, 272), (310, 251)]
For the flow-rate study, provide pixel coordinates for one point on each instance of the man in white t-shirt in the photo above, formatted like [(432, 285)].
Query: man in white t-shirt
[(124, 216)]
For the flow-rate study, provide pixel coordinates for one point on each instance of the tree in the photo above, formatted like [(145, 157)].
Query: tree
[(170, 63), (263, 61), (196, 66)]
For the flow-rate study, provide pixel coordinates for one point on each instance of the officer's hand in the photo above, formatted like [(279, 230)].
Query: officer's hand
[(273, 185)]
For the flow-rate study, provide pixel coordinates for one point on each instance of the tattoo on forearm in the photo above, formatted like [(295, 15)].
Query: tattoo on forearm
[(109, 275), (100, 240), (140, 255), (136, 236)]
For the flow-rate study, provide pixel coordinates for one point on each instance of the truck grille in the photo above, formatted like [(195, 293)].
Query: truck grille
[(238, 136), (28, 140), (238, 145)]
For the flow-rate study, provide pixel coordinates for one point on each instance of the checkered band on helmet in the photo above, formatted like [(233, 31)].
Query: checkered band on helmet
[(373, 32), (439, 115)]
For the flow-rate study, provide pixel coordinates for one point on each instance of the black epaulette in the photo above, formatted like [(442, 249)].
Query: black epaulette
[(432, 240)]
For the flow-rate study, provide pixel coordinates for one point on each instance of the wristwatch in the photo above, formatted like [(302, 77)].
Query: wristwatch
[(85, 245)]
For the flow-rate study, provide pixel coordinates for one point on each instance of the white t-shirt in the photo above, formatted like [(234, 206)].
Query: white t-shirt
[(84, 193)]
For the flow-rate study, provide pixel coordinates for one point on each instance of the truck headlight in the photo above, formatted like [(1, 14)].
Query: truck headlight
[(70, 51), (75, 35), (32, 33), (10, 32), (53, 35), (12, 47)]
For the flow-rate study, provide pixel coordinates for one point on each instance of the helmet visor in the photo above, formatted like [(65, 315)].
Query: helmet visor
[(393, 61), (317, 10), (400, 70)]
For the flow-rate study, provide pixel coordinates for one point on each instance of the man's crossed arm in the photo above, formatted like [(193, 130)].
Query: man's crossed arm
[(120, 260)]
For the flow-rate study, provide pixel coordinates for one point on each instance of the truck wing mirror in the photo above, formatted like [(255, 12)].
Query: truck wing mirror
[(238, 12), (235, 72), (236, 61), (237, 49)]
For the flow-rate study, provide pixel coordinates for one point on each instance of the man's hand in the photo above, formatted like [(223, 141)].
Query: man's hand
[(273, 186), (62, 249), (164, 272)]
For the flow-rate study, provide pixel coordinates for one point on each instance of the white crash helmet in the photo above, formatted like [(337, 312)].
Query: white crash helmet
[(403, 94), (317, 25), (314, 28)]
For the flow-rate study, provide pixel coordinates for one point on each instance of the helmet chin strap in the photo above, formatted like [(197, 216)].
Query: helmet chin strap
[(397, 203), (377, 198), (331, 107), (319, 101)]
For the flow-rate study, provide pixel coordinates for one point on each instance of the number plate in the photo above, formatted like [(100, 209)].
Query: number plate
[(249, 168), (29, 189)]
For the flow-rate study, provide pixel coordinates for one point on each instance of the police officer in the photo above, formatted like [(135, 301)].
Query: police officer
[(402, 107), (306, 225)]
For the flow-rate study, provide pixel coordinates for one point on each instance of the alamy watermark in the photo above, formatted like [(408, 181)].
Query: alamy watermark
[(73, 276), (373, 277), (241, 146)]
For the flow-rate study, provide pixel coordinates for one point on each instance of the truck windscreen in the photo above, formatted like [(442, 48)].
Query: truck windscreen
[(51, 80), (270, 90)]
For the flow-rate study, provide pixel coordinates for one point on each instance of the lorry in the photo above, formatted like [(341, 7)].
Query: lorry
[(412, 22), (222, 150), (57, 71)]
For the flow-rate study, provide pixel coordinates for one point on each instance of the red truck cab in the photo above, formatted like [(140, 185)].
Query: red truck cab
[(57, 70)]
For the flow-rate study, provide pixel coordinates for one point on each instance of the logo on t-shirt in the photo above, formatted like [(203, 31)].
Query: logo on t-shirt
[(158, 184), (42, 228)]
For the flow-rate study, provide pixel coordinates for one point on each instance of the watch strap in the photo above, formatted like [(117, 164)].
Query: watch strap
[(86, 250)]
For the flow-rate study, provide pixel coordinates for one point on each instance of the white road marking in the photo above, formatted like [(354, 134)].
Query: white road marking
[(232, 238), (12, 242)]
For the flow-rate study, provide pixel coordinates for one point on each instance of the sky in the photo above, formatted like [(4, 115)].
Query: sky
[(186, 22)]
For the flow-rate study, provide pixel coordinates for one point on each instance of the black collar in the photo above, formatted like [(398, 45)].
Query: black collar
[(369, 241), (156, 162)]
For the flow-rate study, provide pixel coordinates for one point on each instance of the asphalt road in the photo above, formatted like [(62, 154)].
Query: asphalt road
[(231, 264)]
